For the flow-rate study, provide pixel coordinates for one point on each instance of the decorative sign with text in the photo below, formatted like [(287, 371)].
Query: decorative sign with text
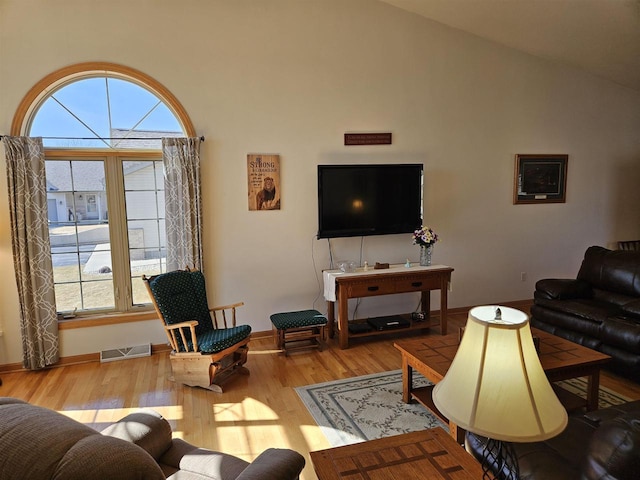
[(263, 174), (367, 138)]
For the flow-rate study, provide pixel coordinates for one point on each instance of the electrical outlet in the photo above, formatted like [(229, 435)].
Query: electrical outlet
[(450, 286), (1, 333), (523, 276)]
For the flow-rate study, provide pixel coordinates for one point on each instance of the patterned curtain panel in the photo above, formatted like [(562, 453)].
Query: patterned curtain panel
[(183, 202), (31, 250)]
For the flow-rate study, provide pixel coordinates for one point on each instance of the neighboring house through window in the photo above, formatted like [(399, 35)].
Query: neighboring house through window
[(101, 126)]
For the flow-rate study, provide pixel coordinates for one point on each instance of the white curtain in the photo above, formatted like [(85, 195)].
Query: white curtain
[(183, 202), (27, 182)]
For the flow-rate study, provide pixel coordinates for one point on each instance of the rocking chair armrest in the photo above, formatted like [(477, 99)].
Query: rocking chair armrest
[(189, 324), (226, 307), (171, 333)]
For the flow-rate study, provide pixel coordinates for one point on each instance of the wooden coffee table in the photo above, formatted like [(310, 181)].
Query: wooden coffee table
[(428, 454), (561, 360)]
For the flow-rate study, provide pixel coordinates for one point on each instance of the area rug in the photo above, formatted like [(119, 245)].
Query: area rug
[(364, 408)]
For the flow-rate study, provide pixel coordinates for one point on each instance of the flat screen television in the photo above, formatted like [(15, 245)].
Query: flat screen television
[(359, 200)]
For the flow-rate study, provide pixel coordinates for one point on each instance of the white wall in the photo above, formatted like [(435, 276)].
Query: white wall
[(291, 77)]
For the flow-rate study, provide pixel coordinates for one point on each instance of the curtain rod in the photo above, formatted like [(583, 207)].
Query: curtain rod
[(106, 138)]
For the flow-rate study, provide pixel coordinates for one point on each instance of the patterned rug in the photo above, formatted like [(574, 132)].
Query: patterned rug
[(363, 408)]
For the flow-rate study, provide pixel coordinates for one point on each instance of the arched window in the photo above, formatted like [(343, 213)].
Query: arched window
[(101, 126)]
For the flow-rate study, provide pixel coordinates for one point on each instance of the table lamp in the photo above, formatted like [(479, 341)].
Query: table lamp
[(496, 387)]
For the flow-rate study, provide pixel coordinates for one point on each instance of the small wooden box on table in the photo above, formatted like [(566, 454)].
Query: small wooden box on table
[(428, 454), (340, 287)]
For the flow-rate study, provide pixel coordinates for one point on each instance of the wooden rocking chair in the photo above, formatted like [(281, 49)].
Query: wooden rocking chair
[(207, 346)]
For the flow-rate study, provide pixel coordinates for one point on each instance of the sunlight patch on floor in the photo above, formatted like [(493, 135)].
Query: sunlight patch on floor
[(110, 415), (249, 410)]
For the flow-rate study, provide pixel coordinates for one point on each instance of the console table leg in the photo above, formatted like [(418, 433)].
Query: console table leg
[(443, 306), (331, 319), (343, 321)]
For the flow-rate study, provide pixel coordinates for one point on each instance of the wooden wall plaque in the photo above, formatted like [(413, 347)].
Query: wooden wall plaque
[(367, 138), (264, 182)]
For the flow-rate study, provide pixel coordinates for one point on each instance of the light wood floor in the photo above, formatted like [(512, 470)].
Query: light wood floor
[(256, 412)]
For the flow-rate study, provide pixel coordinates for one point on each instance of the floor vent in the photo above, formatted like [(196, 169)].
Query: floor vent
[(125, 352)]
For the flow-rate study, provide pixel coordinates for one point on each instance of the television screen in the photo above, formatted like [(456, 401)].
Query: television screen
[(358, 200)]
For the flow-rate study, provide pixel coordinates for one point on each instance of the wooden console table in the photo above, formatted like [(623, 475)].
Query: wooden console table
[(340, 287)]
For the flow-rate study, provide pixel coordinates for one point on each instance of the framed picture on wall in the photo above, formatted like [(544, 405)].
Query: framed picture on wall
[(263, 175), (540, 179)]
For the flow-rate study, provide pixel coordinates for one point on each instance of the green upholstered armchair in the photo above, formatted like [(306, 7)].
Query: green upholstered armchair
[(207, 345)]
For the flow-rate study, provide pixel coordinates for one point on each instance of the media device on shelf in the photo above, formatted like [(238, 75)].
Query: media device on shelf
[(359, 200)]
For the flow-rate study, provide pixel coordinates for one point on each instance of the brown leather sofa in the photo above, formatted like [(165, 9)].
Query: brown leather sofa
[(599, 309), (40, 444), (604, 444)]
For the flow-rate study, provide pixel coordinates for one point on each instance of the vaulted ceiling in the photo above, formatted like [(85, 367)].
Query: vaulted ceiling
[(601, 37)]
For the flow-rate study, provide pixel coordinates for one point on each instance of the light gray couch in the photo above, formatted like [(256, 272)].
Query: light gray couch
[(40, 444)]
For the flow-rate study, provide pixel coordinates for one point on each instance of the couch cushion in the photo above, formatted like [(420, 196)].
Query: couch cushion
[(622, 362), (184, 475), (612, 270), (571, 335), (33, 440), (582, 315), (631, 308), (99, 457), (613, 298), (181, 296), (214, 341), (622, 332), (199, 461)]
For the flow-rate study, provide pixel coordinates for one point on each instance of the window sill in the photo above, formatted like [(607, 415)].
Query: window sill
[(110, 319)]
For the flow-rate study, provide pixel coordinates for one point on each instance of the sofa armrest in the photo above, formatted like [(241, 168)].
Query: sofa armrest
[(562, 289), (146, 428), (274, 464), (614, 449)]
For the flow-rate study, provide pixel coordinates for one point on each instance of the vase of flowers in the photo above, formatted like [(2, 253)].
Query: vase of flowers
[(426, 238)]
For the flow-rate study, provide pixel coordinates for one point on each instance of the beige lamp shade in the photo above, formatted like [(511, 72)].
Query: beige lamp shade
[(496, 386)]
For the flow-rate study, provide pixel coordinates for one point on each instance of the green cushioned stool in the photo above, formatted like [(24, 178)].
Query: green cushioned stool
[(299, 330)]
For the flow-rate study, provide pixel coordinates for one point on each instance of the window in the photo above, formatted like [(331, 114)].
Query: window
[(94, 267), (105, 186)]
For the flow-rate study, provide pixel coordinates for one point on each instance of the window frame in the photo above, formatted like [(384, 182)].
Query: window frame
[(21, 125), (40, 91), (115, 190)]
